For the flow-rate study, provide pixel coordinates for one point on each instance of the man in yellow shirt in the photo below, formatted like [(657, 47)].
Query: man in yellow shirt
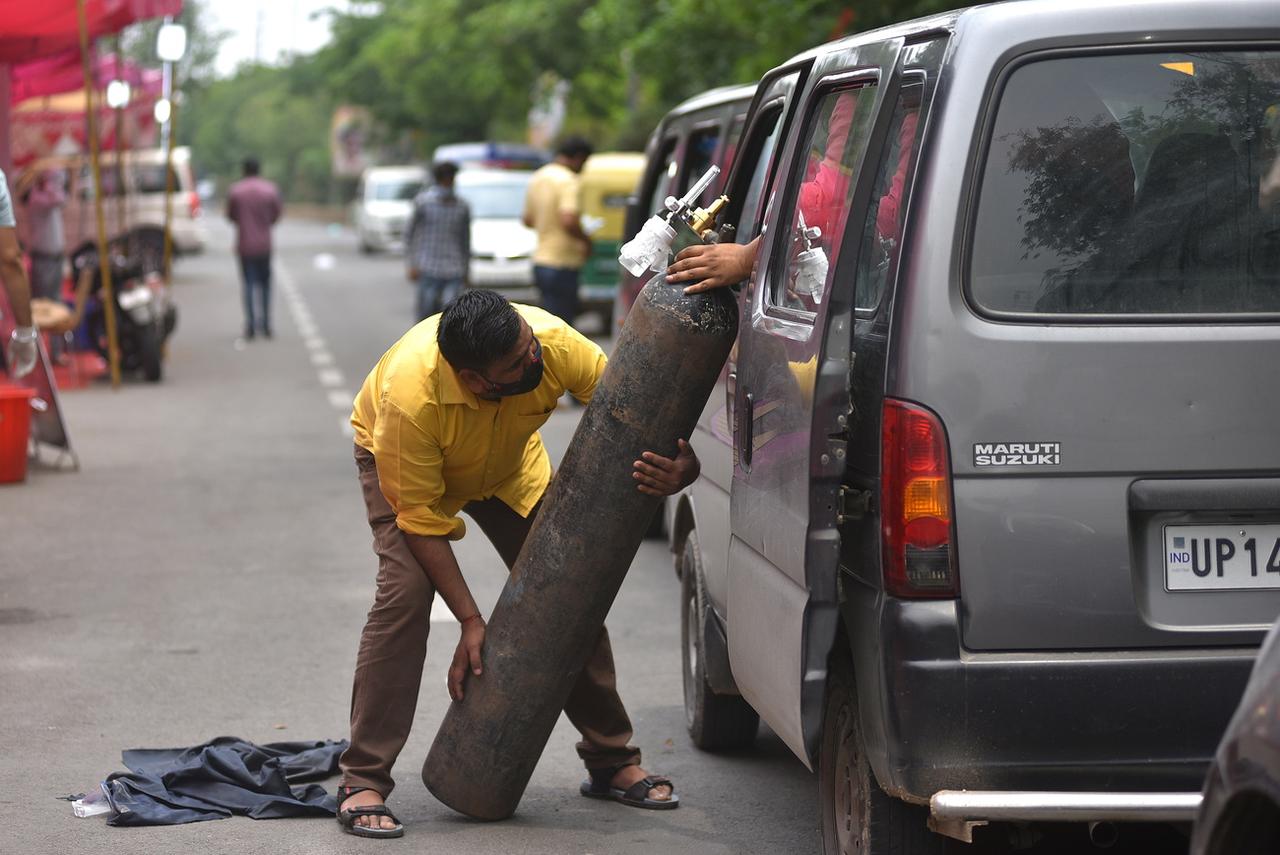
[(445, 423), (551, 208)]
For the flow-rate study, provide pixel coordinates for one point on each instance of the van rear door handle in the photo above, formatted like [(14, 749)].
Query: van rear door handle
[(748, 428)]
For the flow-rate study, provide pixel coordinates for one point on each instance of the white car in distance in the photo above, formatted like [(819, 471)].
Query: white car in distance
[(383, 205)]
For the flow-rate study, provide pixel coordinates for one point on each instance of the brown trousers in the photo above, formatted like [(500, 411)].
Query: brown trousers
[(393, 649)]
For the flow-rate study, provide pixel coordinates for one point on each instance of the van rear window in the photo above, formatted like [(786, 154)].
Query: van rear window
[(1138, 184)]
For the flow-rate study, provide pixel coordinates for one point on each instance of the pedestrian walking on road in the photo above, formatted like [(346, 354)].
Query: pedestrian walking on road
[(23, 350), (552, 208), (254, 205), (445, 423), (439, 242)]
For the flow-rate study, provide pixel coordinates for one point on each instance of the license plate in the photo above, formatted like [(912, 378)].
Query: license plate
[(1222, 557)]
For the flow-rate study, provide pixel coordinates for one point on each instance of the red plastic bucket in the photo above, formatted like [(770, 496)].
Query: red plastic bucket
[(15, 431)]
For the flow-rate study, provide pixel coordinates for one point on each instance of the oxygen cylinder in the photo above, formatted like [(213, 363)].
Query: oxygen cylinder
[(593, 518)]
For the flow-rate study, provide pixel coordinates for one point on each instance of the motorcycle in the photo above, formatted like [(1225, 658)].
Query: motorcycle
[(145, 313)]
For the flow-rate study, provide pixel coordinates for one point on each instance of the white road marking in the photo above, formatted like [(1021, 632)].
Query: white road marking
[(329, 376)]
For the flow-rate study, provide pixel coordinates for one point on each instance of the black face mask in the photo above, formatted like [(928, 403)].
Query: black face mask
[(528, 381)]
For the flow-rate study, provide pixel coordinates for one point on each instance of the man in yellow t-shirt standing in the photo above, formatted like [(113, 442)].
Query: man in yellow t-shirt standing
[(551, 208), (447, 422)]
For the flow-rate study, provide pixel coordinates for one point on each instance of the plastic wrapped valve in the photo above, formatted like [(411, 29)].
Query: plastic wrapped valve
[(648, 250)]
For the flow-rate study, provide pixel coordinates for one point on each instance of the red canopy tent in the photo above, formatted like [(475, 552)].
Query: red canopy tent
[(32, 29)]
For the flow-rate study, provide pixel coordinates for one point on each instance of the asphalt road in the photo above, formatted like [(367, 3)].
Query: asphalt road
[(207, 571)]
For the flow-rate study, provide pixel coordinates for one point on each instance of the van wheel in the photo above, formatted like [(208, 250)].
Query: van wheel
[(859, 818), (716, 722)]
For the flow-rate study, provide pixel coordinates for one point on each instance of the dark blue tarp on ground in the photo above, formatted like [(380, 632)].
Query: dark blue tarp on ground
[(226, 776)]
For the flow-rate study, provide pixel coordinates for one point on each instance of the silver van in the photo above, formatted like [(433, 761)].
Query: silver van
[(142, 208), (989, 522)]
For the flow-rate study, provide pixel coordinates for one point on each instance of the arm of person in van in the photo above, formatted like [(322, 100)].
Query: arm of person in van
[(665, 476), (713, 265)]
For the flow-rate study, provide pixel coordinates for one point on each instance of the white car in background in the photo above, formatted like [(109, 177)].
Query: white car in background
[(383, 205), (501, 246)]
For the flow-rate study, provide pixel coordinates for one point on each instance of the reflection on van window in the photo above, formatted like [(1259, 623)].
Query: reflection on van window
[(882, 233), (666, 171), (752, 213), (837, 139), (1139, 184), (732, 144), (699, 155)]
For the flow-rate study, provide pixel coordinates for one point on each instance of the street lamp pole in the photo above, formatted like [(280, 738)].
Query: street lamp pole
[(170, 46)]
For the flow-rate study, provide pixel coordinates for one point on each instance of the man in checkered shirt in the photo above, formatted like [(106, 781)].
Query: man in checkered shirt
[(439, 242)]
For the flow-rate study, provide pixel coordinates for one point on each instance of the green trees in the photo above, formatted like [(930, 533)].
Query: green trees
[(435, 71)]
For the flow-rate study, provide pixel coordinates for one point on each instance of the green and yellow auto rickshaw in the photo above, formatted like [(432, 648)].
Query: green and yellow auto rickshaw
[(608, 180)]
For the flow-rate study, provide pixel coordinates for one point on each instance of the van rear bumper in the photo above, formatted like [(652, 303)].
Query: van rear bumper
[(942, 718)]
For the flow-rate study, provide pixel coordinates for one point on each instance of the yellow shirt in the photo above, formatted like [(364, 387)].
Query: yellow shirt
[(438, 446), (553, 190)]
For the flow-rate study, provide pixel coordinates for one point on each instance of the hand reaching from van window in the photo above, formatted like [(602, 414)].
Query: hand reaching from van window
[(713, 265), (664, 476)]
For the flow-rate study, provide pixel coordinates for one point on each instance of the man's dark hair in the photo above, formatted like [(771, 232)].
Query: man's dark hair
[(575, 146), (478, 329), (444, 171), (251, 167)]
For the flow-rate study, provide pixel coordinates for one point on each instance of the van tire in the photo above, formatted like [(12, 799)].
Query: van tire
[(716, 722), (856, 815)]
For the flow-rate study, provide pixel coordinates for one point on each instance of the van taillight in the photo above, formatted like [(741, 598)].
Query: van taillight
[(193, 204), (915, 508)]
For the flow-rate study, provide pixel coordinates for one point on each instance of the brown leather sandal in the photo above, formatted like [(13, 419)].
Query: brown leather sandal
[(347, 818), (600, 786)]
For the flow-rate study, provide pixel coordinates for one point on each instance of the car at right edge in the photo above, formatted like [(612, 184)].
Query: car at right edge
[(988, 528)]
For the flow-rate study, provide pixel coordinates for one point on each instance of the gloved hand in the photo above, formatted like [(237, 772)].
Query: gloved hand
[(22, 352)]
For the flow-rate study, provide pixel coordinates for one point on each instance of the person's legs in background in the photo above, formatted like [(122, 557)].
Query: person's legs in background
[(264, 292), (434, 293), (450, 292), (248, 275), (428, 295), (558, 287)]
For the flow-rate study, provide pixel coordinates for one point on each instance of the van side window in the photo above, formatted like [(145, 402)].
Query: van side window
[(752, 213), (699, 154), (808, 252), (882, 232), (657, 192)]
